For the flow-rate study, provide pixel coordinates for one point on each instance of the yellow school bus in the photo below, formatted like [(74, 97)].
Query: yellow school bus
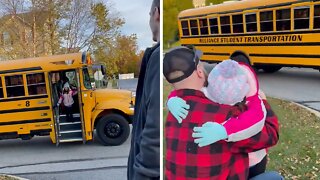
[(30, 90), (268, 34)]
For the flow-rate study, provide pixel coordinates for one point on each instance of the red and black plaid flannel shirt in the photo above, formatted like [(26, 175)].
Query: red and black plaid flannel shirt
[(221, 160)]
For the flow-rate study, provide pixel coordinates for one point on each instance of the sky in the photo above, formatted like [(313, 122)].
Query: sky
[(136, 16)]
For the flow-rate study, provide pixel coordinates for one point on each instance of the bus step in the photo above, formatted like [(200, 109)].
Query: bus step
[(70, 135), (69, 123), (70, 140), (75, 127), (70, 131), (70, 127), (74, 115), (64, 120)]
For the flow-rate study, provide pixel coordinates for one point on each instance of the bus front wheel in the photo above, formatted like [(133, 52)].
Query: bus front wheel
[(270, 68), (112, 130)]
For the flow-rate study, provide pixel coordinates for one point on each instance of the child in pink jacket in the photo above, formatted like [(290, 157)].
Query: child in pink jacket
[(67, 99)]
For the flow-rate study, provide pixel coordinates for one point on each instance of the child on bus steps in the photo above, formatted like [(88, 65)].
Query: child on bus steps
[(67, 99)]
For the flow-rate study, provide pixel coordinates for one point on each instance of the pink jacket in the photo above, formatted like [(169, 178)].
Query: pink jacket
[(67, 98)]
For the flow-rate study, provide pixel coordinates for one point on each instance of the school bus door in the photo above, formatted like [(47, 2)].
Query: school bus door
[(87, 102)]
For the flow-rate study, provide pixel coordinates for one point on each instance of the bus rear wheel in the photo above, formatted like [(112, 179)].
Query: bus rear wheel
[(113, 130), (241, 58), (270, 68)]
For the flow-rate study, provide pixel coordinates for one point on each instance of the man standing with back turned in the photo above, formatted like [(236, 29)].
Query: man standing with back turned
[(144, 157)]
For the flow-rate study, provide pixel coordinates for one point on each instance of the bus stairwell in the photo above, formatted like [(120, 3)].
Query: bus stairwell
[(69, 131)]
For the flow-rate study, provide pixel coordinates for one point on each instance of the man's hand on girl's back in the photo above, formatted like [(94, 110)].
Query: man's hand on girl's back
[(178, 108)]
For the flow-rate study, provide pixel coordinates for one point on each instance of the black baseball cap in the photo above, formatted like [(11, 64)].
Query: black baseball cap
[(180, 62)]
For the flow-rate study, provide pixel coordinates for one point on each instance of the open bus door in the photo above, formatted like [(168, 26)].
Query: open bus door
[(87, 102), (66, 130)]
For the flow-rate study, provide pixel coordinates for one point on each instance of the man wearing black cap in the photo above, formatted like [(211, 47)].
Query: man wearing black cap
[(144, 157), (221, 160)]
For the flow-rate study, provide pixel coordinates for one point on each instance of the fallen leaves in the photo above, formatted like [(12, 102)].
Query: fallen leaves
[(297, 155)]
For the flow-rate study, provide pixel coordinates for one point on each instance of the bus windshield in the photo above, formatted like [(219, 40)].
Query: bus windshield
[(95, 74)]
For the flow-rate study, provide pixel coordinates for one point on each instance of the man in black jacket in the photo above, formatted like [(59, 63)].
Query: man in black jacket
[(144, 157)]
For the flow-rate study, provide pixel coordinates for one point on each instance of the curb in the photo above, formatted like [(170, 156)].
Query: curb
[(316, 113), (18, 178)]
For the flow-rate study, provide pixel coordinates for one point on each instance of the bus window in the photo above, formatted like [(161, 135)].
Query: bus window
[(86, 78), (214, 26), (14, 85), (283, 20), (194, 27), (203, 26), (316, 20), (301, 17), (251, 22), (185, 28), (237, 21), (1, 89), (72, 78), (266, 21), (225, 24), (36, 84)]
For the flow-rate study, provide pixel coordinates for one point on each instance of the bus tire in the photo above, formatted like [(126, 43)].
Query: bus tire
[(241, 58), (244, 59), (271, 68), (112, 130)]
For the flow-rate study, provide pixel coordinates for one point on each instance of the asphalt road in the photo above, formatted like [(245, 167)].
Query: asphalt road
[(300, 85), (40, 159)]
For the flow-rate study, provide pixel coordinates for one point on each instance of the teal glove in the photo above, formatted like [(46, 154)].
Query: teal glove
[(178, 108), (209, 133)]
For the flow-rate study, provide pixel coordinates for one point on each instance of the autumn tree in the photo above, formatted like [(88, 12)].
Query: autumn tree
[(32, 26), (119, 52), (47, 27), (128, 54), (171, 10), (208, 2)]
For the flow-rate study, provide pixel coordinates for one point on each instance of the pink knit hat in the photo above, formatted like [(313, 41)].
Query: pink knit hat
[(227, 83)]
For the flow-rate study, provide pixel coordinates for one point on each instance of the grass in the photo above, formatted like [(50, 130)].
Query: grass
[(4, 177), (297, 154), (166, 48)]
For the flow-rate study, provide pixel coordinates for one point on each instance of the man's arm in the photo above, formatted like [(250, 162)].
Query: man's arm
[(268, 136), (147, 164)]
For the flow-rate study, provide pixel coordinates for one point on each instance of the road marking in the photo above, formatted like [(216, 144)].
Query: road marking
[(61, 167), (67, 166), (70, 171), (64, 161)]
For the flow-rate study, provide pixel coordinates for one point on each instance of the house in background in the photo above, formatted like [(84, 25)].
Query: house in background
[(23, 35), (199, 3)]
